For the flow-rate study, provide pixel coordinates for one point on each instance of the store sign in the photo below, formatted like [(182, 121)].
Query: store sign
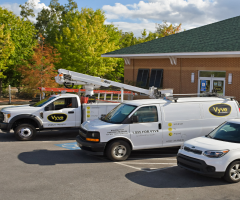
[(220, 110), (203, 85)]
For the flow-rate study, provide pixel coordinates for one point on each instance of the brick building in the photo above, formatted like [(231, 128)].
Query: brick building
[(192, 61)]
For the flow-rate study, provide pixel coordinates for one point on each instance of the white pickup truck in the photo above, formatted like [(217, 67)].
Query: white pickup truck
[(57, 112)]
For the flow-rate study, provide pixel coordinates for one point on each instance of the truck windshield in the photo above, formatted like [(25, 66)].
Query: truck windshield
[(229, 132), (43, 102), (118, 114)]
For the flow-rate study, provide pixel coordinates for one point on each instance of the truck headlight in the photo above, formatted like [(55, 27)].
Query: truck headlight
[(215, 154), (93, 136)]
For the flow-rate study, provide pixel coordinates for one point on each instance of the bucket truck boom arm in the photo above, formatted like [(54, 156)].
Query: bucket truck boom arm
[(70, 78)]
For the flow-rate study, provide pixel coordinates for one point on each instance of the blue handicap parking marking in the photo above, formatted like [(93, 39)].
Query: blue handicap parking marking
[(71, 146)]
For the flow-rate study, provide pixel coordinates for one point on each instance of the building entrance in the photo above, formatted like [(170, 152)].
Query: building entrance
[(211, 80)]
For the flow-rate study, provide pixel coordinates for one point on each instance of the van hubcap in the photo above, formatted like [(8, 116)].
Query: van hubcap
[(235, 172), (25, 132), (120, 151)]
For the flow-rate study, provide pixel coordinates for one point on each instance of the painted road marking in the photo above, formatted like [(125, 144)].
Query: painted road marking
[(71, 146)]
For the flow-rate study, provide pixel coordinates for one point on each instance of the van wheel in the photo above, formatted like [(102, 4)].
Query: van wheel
[(118, 150), (232, 173), (25, 132)]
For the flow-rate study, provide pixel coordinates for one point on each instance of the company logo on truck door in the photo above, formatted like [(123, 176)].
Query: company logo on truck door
[(57, 117), (220, 110)]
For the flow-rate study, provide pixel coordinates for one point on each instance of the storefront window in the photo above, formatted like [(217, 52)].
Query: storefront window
[(212, 74)]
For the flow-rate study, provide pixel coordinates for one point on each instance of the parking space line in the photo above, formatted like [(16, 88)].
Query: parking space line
[(152, 158), (154, 170), (150, 163), (128, 166)]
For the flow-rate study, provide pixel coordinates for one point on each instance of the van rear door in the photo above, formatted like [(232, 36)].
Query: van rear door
[(147, 132)]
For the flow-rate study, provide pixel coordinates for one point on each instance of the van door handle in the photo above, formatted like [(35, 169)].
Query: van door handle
[(70, 112), (159, 126)]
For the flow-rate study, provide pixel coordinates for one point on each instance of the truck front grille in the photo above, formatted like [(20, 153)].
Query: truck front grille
[(193, 150), (1, 117)]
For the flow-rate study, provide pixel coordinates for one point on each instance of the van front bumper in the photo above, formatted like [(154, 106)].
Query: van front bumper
[(91, 147), (197, 166)]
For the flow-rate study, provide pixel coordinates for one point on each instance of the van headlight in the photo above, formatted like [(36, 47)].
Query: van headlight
[(215, 154)]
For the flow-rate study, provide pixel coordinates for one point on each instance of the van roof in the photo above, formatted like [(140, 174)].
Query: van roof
[(180, 100)]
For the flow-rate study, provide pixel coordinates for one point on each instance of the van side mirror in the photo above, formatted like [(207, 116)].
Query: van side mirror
[(46, 108), (134, 119)]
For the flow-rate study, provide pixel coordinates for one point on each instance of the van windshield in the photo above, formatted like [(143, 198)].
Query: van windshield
[(43, 102), (118, 114), (229, 132)]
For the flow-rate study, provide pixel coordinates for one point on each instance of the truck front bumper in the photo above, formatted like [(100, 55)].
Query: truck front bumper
[(197, 166), (91, 147), (5, 127)]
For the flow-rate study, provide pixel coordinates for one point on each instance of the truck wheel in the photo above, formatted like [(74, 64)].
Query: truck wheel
[(118, 150), (25, 132), (232, 173)]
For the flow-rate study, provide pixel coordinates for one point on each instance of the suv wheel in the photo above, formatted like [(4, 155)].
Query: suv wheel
[(232, 173), (118, 150), (25, 132)]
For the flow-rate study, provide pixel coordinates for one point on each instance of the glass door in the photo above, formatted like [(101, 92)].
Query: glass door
[(211, 84)]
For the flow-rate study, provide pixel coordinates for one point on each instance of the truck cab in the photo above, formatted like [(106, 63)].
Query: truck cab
[(58, 111)]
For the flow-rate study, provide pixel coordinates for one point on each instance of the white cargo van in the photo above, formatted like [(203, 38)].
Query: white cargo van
[(154, 123)]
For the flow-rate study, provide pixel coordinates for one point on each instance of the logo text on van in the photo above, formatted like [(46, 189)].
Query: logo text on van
[(220, 110)]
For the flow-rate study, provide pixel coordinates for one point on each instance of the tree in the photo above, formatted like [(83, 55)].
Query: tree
[(6, 49), (27, 9), (84, 38), (40, 70), (22, 33)]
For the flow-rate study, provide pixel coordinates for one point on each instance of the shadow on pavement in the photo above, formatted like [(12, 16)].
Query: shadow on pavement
[(43, 136), (174, 177), (48, 157)]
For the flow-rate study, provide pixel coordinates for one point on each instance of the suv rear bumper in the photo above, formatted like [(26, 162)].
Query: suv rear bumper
[(91, 147), (197, 166)]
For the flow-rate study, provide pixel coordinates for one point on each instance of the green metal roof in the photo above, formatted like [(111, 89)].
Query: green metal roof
[(216, 37)]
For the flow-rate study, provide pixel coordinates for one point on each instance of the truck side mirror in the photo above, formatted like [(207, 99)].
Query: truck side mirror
[(134, 119), (46, 108)]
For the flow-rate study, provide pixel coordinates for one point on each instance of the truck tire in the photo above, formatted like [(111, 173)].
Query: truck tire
[(118, 150), (232, 173), (25, 132)]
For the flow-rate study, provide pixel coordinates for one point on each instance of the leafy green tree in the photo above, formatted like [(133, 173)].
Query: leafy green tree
[(27, 9), (22, 33), (6, 49), (84, 38)]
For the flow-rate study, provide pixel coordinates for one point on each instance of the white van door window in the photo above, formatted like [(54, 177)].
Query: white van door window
[(182, 121), (147, 132)]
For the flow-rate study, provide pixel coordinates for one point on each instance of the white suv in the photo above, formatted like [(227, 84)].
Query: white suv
[(216, 154)]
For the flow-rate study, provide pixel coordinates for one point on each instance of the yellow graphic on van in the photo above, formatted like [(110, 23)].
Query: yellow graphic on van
[(57, 117), (88, 107), (170, 134), (169, 124), (88, 111), (88, 116), (170, 129), (220, 110)]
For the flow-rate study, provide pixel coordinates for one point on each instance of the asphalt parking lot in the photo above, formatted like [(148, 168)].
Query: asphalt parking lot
[(53, 167)]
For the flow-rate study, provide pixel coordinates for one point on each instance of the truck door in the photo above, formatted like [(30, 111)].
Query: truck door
[(147, 132), (60, 113)]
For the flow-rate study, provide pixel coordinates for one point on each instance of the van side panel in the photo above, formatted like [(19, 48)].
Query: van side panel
[(180, 122), (215, 113)]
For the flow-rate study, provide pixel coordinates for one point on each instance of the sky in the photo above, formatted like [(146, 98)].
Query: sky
[(135, 15)]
